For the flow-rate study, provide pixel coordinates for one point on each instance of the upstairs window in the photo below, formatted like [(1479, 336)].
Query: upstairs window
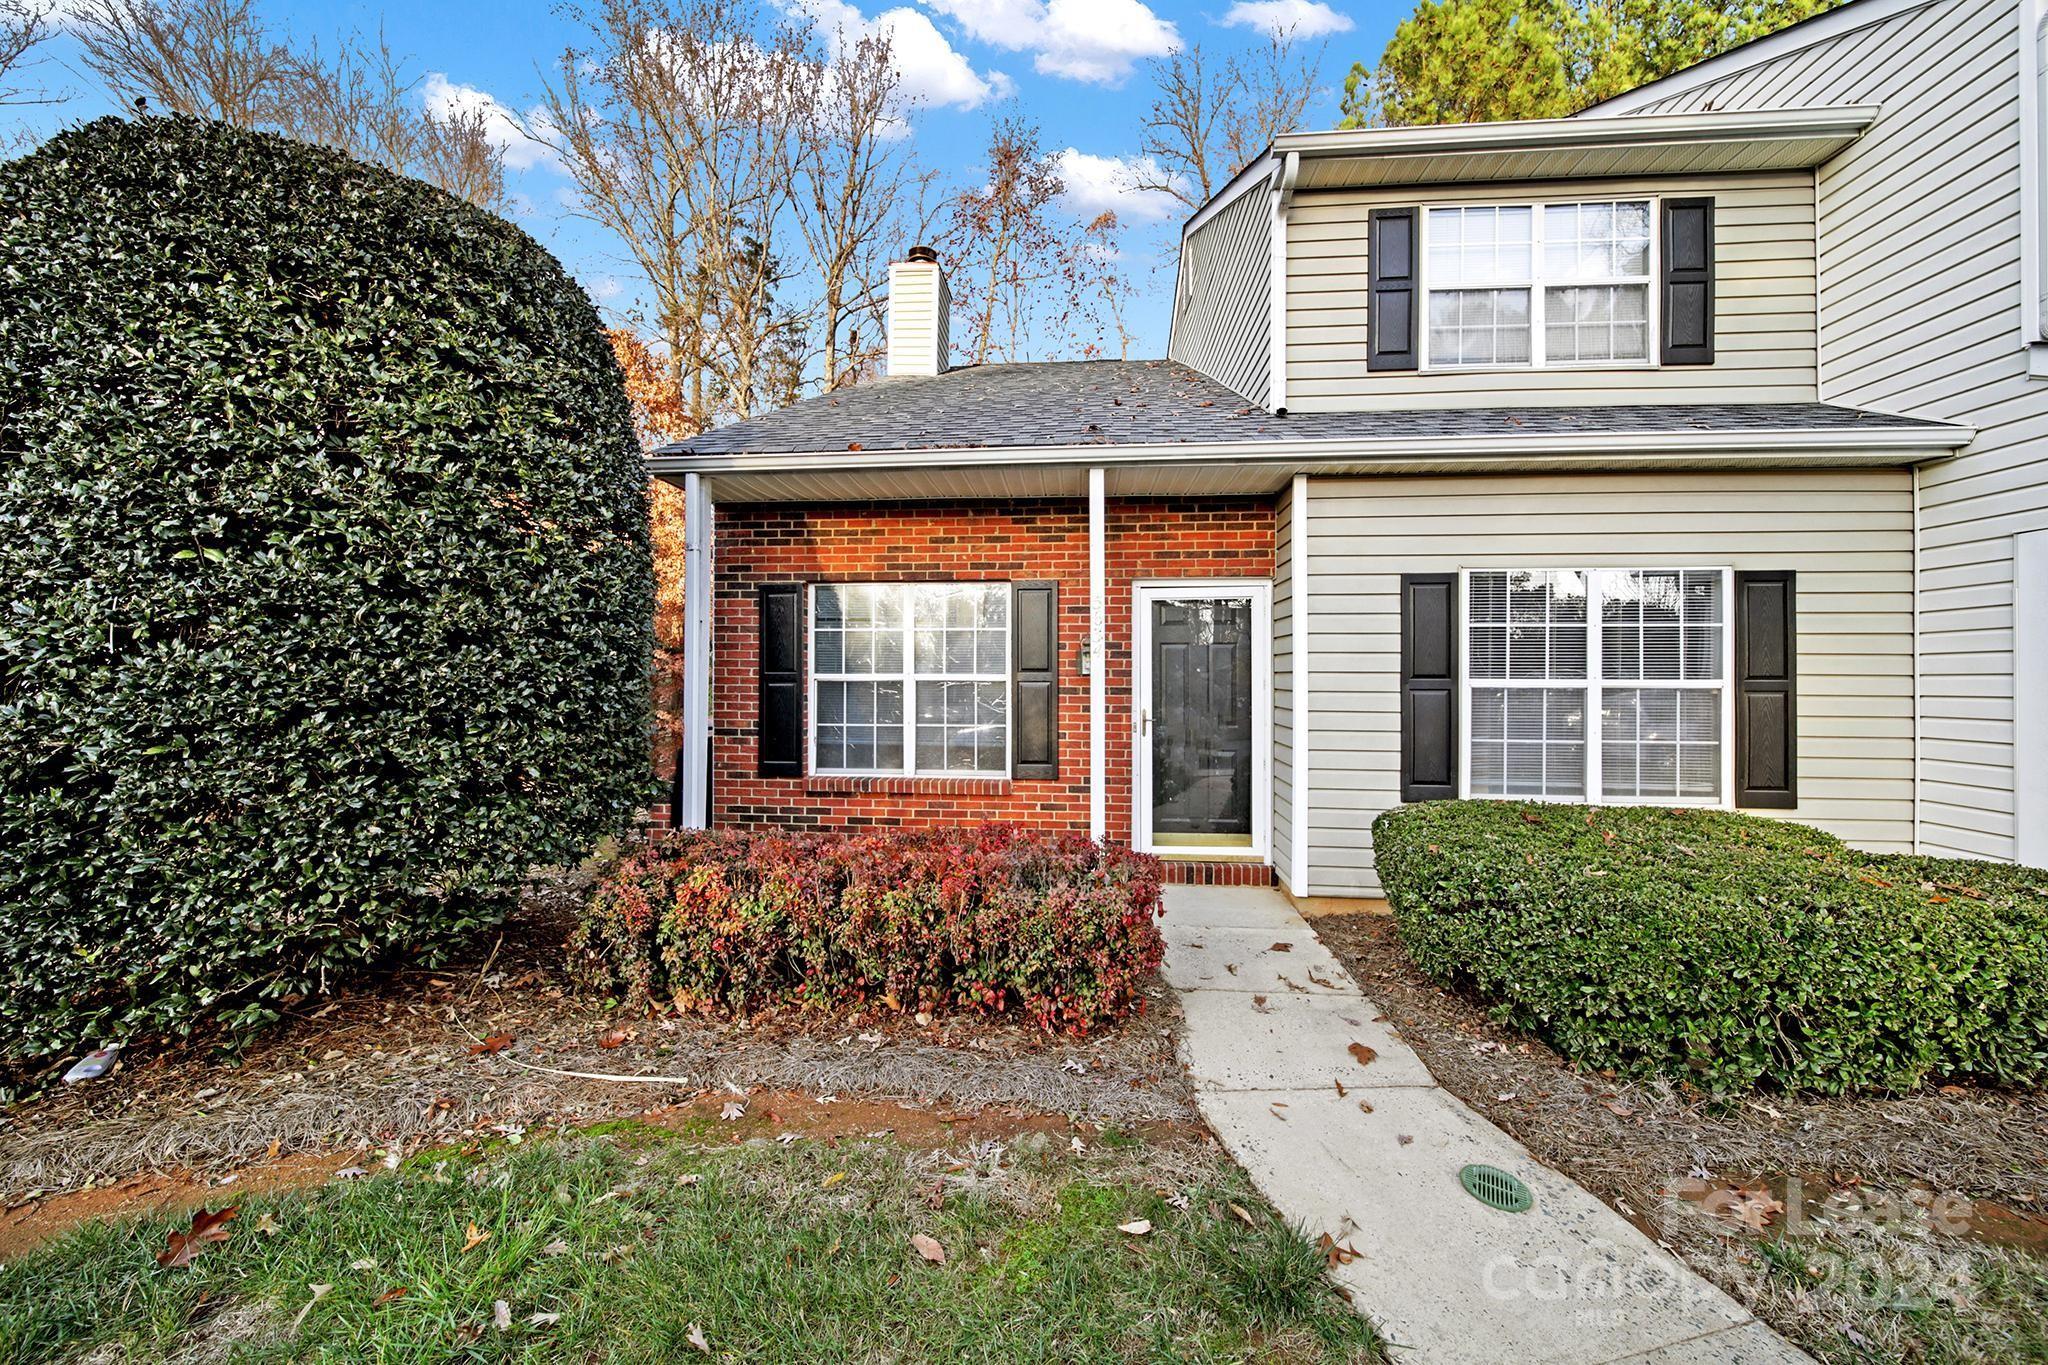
[(1538, 284), (1598, 685)]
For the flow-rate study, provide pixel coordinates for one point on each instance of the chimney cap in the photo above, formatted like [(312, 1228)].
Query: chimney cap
[(922, 253)]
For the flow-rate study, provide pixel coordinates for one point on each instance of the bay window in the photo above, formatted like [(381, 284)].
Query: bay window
[(1537, 284), (910, 678), (1598, 684)]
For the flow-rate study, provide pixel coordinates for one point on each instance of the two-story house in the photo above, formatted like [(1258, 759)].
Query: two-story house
[(1692, 451)]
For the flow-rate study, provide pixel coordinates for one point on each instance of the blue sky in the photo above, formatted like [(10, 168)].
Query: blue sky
[(1074, 67)]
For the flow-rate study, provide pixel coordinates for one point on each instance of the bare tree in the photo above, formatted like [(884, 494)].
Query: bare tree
[(1100, 275), (1015, 247), (854, 177), (1208, 120), (214, 59), (24, 24), (219, 59)]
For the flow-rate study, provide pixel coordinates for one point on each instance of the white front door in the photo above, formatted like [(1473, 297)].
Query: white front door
[(1202, 717)]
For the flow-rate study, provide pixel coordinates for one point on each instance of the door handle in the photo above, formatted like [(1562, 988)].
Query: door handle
[(1144, 722)]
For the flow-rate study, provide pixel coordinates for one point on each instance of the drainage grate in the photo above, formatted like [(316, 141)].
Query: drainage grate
[(1496, 1189)]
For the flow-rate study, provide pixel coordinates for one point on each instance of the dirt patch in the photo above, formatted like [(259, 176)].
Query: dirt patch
[(499, 1044)]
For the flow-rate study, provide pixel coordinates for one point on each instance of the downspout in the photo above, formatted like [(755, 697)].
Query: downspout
[(1276, 316), (1914, 474)]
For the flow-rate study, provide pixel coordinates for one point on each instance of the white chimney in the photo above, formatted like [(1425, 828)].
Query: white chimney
[(920, 310)]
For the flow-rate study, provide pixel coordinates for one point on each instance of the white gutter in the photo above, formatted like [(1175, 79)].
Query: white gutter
[(695, 755), (1492, 448), (1566, 134), (1300, 743)]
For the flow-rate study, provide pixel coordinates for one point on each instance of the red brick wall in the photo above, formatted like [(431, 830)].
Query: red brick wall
[(912, 542)]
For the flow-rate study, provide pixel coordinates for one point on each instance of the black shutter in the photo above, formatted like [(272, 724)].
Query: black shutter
[(1034, 664), (1429, 686), (1766, 700), (1688, 283), (1390, 337), (781, 738)]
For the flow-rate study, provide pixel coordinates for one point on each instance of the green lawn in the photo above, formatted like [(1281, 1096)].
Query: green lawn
[(778, 1253)]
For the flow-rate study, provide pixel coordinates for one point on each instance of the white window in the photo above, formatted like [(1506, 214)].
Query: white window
[(1538, 284), (910, 678), (1598, 684)]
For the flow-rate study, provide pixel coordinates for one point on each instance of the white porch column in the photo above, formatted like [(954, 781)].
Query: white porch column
[(1098, 660), (1300, 779), (695, 754)]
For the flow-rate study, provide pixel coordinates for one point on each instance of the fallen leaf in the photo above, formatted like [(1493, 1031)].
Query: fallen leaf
[(266, 1225), (1283, 948), (497, 1042), (476, 1238), (616, 1038), (208, 1226), (1137, 1227), (1617, 1108), (733, 1109), (697, 1339), (690, 1178), (1364, 1108), (351, 1173), (542, 1319), (319, 1292), (832, 1179), (558, 1247), (1362, 1054), (1340, 1088), (398, 1291), (366, 1263), (1336, 1253), (1242, 1215), (928, 1248), (501, 1316), (1404, 1138)]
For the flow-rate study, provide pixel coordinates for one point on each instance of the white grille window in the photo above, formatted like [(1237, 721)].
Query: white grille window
[(1522, 284), (943, 647), (1656, 642)]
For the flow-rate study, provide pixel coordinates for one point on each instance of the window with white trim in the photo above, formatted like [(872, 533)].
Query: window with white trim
[(1537, 284), (1598, 684), (910, 678)]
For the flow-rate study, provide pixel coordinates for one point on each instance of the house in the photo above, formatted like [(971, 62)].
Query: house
[(1692, 451)]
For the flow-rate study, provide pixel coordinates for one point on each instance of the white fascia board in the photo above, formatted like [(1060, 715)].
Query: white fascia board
[(1492, 448), (1794, 38), (1746, 125), (1261, 169)]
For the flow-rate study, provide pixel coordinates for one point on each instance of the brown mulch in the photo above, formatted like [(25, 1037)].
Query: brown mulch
[(422, 1058), (1628, 1141)]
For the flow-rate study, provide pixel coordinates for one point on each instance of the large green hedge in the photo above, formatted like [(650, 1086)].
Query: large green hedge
[(325, 594), (1726, 949)]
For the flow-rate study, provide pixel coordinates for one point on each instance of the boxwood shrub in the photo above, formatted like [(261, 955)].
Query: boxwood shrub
[(1055, 929), (324, 581), (1726, 949)]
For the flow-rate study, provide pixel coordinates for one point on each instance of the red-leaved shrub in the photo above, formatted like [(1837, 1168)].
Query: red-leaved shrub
[(1054, 927)]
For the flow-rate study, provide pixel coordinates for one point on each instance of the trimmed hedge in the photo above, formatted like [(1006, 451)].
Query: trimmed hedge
[(1056, 928), (1725, 949), (324, 578)]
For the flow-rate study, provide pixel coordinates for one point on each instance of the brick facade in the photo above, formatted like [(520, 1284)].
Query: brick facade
[(1147, 539)]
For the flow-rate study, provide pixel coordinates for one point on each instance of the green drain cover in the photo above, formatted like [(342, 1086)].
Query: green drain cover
[(1496, 1189)]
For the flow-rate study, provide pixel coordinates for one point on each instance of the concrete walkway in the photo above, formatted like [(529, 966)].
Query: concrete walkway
[(1268, 1041)]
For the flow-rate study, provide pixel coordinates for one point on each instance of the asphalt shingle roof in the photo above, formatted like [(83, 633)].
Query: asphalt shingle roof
[(1158, 402)]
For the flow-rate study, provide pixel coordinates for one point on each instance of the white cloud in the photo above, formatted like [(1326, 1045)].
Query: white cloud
[(1302, 18), (1083, 40), (933, 72), (505, 129), (1099, 183)]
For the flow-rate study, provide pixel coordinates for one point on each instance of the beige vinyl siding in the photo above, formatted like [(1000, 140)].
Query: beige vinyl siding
[(1847, 533), (1222, 313), (1764, 317), (1920, 314), (1282, 856)]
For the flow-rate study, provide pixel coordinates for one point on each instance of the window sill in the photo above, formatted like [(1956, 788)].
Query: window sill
[(996, 785)]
